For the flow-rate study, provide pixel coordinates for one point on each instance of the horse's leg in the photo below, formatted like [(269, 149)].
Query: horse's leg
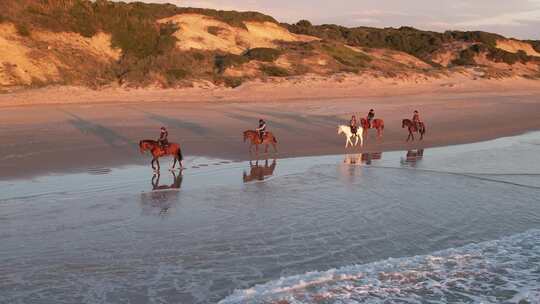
[(152, 163), (356, 142), (347, 142), (361, 141), (174, 162), (157, 162)]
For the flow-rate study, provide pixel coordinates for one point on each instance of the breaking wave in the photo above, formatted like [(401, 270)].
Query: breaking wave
[(506, 270)]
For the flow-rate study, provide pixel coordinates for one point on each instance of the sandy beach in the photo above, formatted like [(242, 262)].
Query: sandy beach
[(69, 129)]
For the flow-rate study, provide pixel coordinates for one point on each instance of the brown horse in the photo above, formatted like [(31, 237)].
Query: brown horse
[(259, 172), (377, 124), (157, 151), (255, 140), (412, 128)]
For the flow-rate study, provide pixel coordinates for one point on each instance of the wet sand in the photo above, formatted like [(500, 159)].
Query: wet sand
[(352, 228), (96, 129)]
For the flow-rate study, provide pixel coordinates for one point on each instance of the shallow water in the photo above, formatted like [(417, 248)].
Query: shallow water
[(259, 232)]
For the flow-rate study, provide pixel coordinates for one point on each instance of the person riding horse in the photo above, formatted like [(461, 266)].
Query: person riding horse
[(261, 129), (370, 117), (354, 125), (163, 141), (416, 120)]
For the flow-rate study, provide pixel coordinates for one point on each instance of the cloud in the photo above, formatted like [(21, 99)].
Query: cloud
[(512, 19)]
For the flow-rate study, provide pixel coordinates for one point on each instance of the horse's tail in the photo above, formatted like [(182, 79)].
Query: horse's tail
[(179, 154)]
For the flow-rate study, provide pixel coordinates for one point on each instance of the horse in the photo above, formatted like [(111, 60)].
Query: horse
[(157, 151), (412, 128), (377, 124), (259, 172), (255, 140), (349, 135)]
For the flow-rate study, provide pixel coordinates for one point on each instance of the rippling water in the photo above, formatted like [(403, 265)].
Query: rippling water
[(506, 270), (454, 224)]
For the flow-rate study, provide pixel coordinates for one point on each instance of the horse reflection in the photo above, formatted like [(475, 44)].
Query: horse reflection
[(412, 157), (364, 158), (160, 201), (259, 172)]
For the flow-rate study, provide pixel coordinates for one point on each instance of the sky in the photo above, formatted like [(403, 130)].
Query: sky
[(512, 18)]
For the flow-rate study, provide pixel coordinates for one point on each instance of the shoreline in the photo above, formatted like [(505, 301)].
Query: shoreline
[(98, 132)]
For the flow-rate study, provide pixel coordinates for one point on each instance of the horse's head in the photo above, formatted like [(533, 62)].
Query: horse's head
[(141, 147), (403, 122), (144, 145), (363, 122), (248, 134), (339, 130)]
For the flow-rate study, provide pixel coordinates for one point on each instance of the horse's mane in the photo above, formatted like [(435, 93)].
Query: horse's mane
[(148, 141)]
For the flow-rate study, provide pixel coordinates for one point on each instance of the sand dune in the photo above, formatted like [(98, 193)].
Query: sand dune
[(514, 46), (206, 33)]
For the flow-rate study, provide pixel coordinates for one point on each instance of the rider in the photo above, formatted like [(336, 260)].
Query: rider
[(162, 141), (416, 119), (370, 117), (261, 129), (353, 124)]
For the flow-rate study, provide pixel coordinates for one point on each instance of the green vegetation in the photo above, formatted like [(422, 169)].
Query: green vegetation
[(263, 54), (346, 56), (233, 82), (499, 55), (214, 30), (492, 53), (177, 74), (222, 62), (232, 18), (23, 30), (466, 57), (150, 55), (535, 44), (274, 71), (406, 39)]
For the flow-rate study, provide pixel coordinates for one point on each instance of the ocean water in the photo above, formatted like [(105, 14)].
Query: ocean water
[(457, 224)]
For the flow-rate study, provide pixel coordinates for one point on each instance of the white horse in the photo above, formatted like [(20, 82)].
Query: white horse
[(349, 135)]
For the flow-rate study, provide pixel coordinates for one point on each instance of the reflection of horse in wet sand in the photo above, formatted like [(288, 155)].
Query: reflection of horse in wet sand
[(412, 157), (377, 124), (258, 172), (177, 182), (364, 158), (162, 197), (157, 151), (346, 130), (255, 140), (411, 126)]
